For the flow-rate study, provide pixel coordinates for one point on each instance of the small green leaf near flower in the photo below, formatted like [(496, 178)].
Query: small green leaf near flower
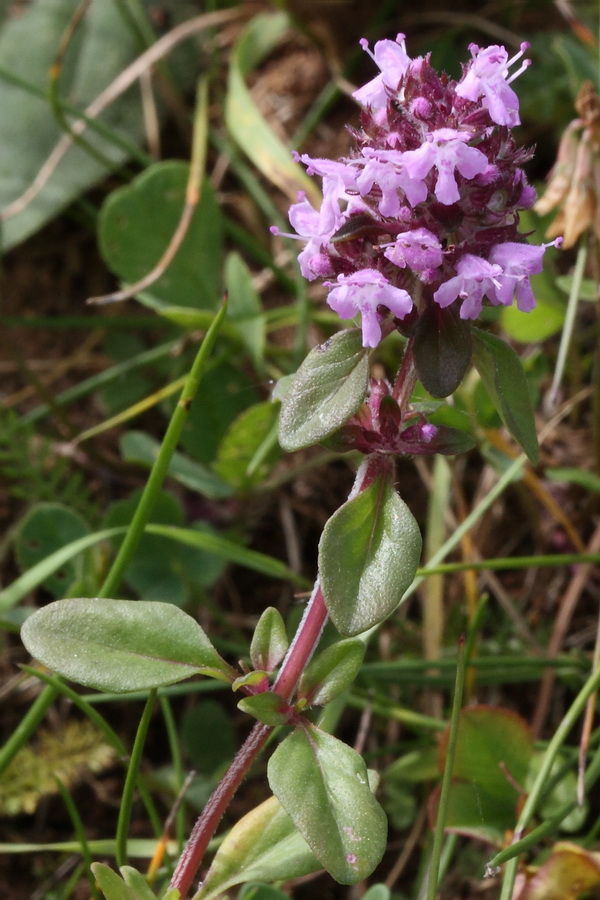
[(368, 556), (328, 388)]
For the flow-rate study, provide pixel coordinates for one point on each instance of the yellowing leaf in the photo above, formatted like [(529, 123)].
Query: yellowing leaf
[(245, 122), (569, 873)]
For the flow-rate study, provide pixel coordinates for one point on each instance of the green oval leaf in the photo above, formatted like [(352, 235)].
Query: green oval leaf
[(44, 529), (112, 885), (138, 883), (249, 449), (442, 350), (368, 555), (266, 707), (327, 389), (263, 846), (324, 787), (120, 645), (493, 753), (137, 222), (504, 379), (331, 672), (100, 53), (545, 319), (269, 641)]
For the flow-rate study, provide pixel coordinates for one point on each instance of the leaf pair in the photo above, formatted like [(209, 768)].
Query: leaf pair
[(332, 382)]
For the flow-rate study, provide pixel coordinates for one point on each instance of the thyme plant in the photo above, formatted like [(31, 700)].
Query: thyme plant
[(418, 230)]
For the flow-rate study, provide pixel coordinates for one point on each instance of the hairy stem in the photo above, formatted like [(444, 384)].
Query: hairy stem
[(301, 650), (207, 824)]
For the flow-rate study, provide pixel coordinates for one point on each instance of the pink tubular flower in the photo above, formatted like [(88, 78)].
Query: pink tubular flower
[(447, 150), (419, 250), (316, 228), (392, 59), (386, 168), (487, 77), (475, 277), (362, 292), (518, 262)]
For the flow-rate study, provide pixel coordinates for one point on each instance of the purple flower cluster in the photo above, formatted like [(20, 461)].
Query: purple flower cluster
[(425, 210)]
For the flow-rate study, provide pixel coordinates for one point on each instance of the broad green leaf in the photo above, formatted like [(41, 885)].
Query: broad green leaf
[(442, 350), (101, 49), (112, 885), (328, 388), (545, 319), (263, 846), (502, 374), (160, 568), (44, 529), (137, 222), (139, 447), (588, 289), (331, 672), (245, 309), (474, 812), (323, 785), (266, 707), (208, 736), (226, 393), (120, 645), (493, 756), (258, 891), (368, 555), (136, 881), (269, 641), (243, 118), (377, 892), (248, 436), (492, 742)]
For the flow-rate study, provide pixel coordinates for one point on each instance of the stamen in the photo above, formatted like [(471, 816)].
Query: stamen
[(278, 233), (365, 45), (526, 63), (555, 243)]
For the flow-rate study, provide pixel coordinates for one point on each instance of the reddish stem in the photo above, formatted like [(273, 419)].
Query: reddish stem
[(304, 644), (207, 824), (302, 648)]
